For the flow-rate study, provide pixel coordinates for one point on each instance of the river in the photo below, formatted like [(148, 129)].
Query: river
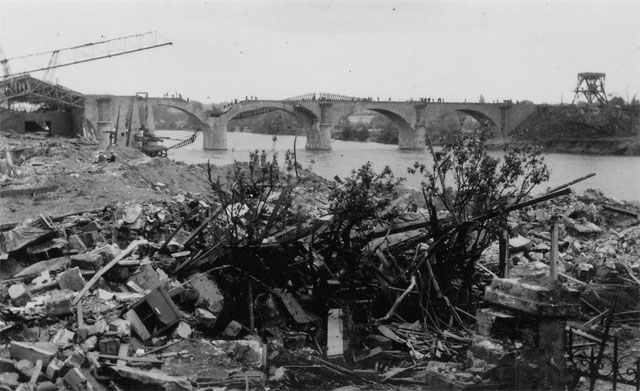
[(616, 176)]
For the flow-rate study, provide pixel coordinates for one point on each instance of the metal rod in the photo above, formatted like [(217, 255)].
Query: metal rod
[(89, 59), (614, 364), (571, 183)]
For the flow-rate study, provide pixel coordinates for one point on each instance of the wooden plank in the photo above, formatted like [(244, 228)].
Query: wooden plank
[(123, 352), (622, 211), (335, 336), (131, 359), (28, 191), (36, 373), (132, 247)]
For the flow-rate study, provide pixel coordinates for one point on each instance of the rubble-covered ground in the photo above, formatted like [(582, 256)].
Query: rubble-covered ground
[(139, 274)]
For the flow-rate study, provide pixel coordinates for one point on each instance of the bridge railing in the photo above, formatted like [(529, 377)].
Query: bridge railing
[(304, 97), (327, 96)]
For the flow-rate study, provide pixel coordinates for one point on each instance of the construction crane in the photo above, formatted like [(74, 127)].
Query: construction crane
[(47, 61)]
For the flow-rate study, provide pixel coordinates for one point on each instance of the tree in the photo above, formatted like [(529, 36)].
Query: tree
[(481, 99), (360, 200), (464, 184)]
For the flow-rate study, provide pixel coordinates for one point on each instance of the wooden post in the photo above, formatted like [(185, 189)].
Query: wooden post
[(503, 246), (250, 305), (553, 267)]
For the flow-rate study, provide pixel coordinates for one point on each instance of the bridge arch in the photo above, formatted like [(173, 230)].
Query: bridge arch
[(408, 136), (250, 110), (190, 114), (480, 116)]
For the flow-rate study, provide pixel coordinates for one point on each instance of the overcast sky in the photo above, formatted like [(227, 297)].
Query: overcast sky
[(454, 50)]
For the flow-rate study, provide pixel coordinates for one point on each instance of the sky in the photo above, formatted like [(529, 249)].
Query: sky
[(223, 50)]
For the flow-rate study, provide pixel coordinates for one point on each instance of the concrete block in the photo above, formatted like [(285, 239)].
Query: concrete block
[(121, 327), (9, 379), (75, 243), (19, 294), (335, 334), (87, 261), (59, 303), (72, 280), (183, 331), (205, 318), (24, 367), (136, 325), (109, 346), (75, 380), (91, 239), (93, 226), (53, 369), (90, 344), (47, 386), (63, 338), (33, 351), (210, 297), (146, 278)]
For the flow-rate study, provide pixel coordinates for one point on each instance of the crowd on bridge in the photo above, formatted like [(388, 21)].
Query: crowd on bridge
[(322, 97)]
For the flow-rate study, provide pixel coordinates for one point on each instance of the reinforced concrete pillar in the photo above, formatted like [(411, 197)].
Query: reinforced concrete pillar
[(412, 138), (151, 120), (216, 136), (319, 137)]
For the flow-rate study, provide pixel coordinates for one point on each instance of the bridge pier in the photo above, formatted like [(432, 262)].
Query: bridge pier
[(412, 138), (319, 137), (217, 137)]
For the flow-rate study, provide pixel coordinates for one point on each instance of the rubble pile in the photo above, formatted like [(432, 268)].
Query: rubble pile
[(248, 289), (55, 176)]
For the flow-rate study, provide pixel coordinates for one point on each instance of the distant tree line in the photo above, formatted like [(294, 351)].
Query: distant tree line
[(277, 123), (168, 118)]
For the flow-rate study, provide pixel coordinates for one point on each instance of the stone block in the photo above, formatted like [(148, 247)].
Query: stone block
[(92, 226), (19, 294), (488, 318), (33, 351), (72, 280), (520, 243), (6, 365), (210, 297), (91, 239)]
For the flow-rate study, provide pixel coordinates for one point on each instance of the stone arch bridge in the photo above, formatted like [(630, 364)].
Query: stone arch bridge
[(320, 116)]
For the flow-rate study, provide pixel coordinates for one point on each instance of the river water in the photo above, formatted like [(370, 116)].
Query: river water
[(616, 176)]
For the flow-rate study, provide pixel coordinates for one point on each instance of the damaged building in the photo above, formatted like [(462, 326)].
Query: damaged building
[(33, 105), (28, 104)]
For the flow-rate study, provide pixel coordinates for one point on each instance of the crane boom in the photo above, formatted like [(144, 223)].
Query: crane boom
[(84, 53)]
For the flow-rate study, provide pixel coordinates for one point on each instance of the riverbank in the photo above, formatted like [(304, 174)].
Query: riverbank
[(623, 146)]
